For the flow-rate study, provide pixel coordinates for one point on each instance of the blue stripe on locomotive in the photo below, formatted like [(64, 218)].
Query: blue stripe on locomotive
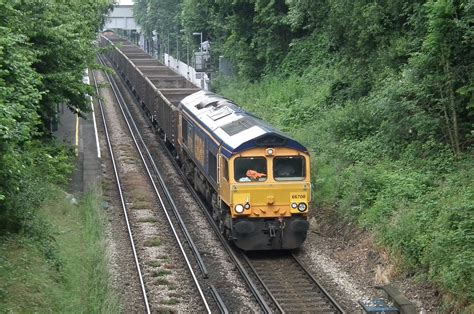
[(253, 143), (228, 151)]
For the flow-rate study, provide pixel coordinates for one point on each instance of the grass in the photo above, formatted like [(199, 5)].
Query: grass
[(160, 273), (162, 282), (171, 301), (154, 263), (67, 273), (163, 309), (152, 242), (148, 219), (169, 266), (137, 205)]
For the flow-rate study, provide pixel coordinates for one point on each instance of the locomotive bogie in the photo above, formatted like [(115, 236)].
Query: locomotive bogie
[(269, 234)]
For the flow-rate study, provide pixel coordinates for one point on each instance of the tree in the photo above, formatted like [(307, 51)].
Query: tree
[(444, 68), (44, 48), (160, 16)]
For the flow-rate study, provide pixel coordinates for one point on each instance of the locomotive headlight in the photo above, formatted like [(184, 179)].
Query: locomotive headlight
[(247, 205), (302, 207), (294, 205), (239, 208)]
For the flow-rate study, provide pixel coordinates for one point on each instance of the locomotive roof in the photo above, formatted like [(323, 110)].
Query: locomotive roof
[(235, 128)]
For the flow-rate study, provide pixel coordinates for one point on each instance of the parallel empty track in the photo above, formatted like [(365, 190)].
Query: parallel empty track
[(122, 199)]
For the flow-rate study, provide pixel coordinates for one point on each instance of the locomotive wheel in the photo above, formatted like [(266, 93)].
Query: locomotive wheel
[(196, 182), (215, 210), (219, 219), (187, 171), (221, 225), (215, 215)]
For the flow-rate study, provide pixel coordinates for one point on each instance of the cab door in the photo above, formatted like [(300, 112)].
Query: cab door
[(224, 185)]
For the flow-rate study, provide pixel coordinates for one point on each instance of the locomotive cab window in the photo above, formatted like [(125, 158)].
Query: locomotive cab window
[(291, 168), (250, 169)]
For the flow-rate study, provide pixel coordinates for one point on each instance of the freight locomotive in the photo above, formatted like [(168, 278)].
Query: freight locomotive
[(256, 178)]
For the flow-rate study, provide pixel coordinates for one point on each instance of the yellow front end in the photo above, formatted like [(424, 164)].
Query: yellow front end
[(269, 197)]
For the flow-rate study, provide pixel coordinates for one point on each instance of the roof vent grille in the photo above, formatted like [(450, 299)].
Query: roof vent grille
[(238, 126)]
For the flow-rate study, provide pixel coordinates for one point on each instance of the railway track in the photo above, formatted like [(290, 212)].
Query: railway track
[(183, 240), (122, 201), (272, 291), (289, 284)]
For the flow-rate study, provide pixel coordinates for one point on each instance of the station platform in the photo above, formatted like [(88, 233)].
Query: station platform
[(81, 133)]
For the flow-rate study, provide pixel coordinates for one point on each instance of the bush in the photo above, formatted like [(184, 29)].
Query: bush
[(39, 166)]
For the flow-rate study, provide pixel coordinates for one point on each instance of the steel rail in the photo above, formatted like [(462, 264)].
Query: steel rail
[(246, 277), (315, 281), (122, 199), (253, 288), (220, 304), (122, 104), (265, 287), (321, 297), (217, 298)]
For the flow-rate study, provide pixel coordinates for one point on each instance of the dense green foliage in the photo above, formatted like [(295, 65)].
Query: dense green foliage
[(382, 91), (420, 203), (49, 261), (44, 48)]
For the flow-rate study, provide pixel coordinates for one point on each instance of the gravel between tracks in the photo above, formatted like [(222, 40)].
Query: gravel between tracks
[(167, 280), (346, 292), (350, 264)]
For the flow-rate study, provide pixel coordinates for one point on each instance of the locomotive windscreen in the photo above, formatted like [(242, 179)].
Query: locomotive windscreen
[(247, 169), (289, 168)]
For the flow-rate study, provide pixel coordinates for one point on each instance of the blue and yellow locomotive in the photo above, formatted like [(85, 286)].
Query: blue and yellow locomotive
[(256, 178)]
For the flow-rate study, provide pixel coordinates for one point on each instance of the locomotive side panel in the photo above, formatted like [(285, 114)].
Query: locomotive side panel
[(199, 147), (174, 96)]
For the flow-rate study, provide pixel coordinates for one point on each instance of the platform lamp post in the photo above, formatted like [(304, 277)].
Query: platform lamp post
[(200, 44)]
